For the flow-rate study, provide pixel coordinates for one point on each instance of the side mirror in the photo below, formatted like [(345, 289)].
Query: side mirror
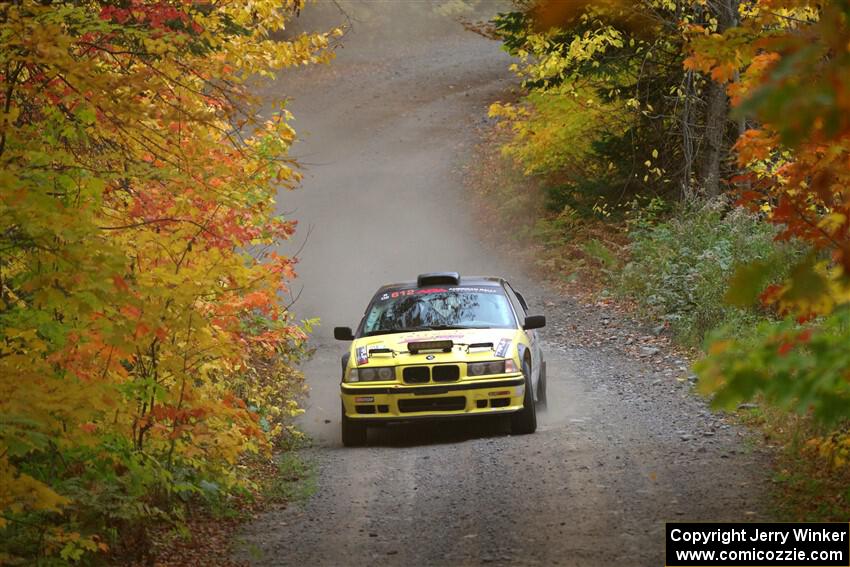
[(534, 322), (343, 334)]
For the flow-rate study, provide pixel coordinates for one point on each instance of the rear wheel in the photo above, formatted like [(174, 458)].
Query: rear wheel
[(541, 387), (353, 433), (525, 420)]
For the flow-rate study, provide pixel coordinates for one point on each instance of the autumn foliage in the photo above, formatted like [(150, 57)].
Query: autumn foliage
[(787, 69), (709, 106), (145, 345)]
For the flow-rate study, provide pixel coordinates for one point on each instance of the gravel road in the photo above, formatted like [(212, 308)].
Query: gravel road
[(624, 445)]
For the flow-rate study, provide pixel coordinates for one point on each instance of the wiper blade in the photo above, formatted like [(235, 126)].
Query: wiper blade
[(393, 331), (449, 327)]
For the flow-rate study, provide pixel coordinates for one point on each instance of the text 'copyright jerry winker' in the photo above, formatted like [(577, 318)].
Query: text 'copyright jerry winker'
[(758, 544)]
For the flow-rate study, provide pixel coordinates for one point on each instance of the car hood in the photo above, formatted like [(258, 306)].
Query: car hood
[(504, 343)]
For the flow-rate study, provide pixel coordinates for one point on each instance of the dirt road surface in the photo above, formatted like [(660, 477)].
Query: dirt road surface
[(622, 448)]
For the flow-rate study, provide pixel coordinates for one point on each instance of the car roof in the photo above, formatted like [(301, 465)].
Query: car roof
[(480, 281)]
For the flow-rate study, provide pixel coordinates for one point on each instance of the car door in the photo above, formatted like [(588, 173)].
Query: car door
[(521, 308)]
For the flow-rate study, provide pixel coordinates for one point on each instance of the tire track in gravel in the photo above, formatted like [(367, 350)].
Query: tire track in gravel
[(624, 445)]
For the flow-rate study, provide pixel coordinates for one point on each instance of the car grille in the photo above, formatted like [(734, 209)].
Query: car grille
[(416, 374), (445, 373), (454, 403), (424, 374)]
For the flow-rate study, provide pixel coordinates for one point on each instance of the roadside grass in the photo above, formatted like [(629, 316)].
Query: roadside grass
[(807, 486), (208, 534), (294, 479)]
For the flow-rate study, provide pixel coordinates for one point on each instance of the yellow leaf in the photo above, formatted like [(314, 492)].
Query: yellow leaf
[(718, 347)]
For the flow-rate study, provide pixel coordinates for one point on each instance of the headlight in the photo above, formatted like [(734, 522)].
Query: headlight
[(482, 368), (380, 373)]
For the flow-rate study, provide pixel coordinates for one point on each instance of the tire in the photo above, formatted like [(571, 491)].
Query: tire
[(541, 387), (344, 362), (524, 421), (353, 433)]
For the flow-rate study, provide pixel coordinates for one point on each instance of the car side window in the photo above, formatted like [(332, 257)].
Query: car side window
[(522, 300), (518, 307)]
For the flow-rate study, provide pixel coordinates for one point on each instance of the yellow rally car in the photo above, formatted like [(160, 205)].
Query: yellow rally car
[(442, 346)]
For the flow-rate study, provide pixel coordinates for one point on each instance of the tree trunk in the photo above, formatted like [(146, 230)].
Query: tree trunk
[(717, 142), (688, 137), (716, 120)]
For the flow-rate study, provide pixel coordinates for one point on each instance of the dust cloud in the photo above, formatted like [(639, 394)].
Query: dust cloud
[(383, 130)]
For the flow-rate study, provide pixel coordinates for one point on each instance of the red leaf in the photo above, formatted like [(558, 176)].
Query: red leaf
[(120, 283)]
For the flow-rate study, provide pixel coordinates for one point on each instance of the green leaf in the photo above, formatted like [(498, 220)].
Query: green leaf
[(747, 283), (806, 283)]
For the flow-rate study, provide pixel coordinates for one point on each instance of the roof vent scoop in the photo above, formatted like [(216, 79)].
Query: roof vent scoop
[(434, 278)]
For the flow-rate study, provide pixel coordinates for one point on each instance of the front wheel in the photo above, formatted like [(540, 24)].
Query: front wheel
[(353, 433), (525, 420)]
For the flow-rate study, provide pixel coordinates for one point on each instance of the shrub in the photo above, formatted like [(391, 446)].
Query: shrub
[(679, 268)]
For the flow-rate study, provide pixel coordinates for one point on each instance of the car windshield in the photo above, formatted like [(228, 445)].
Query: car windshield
[(438, 308)]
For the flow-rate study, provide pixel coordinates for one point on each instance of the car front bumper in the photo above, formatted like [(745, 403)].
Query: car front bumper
[(374, 402)]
